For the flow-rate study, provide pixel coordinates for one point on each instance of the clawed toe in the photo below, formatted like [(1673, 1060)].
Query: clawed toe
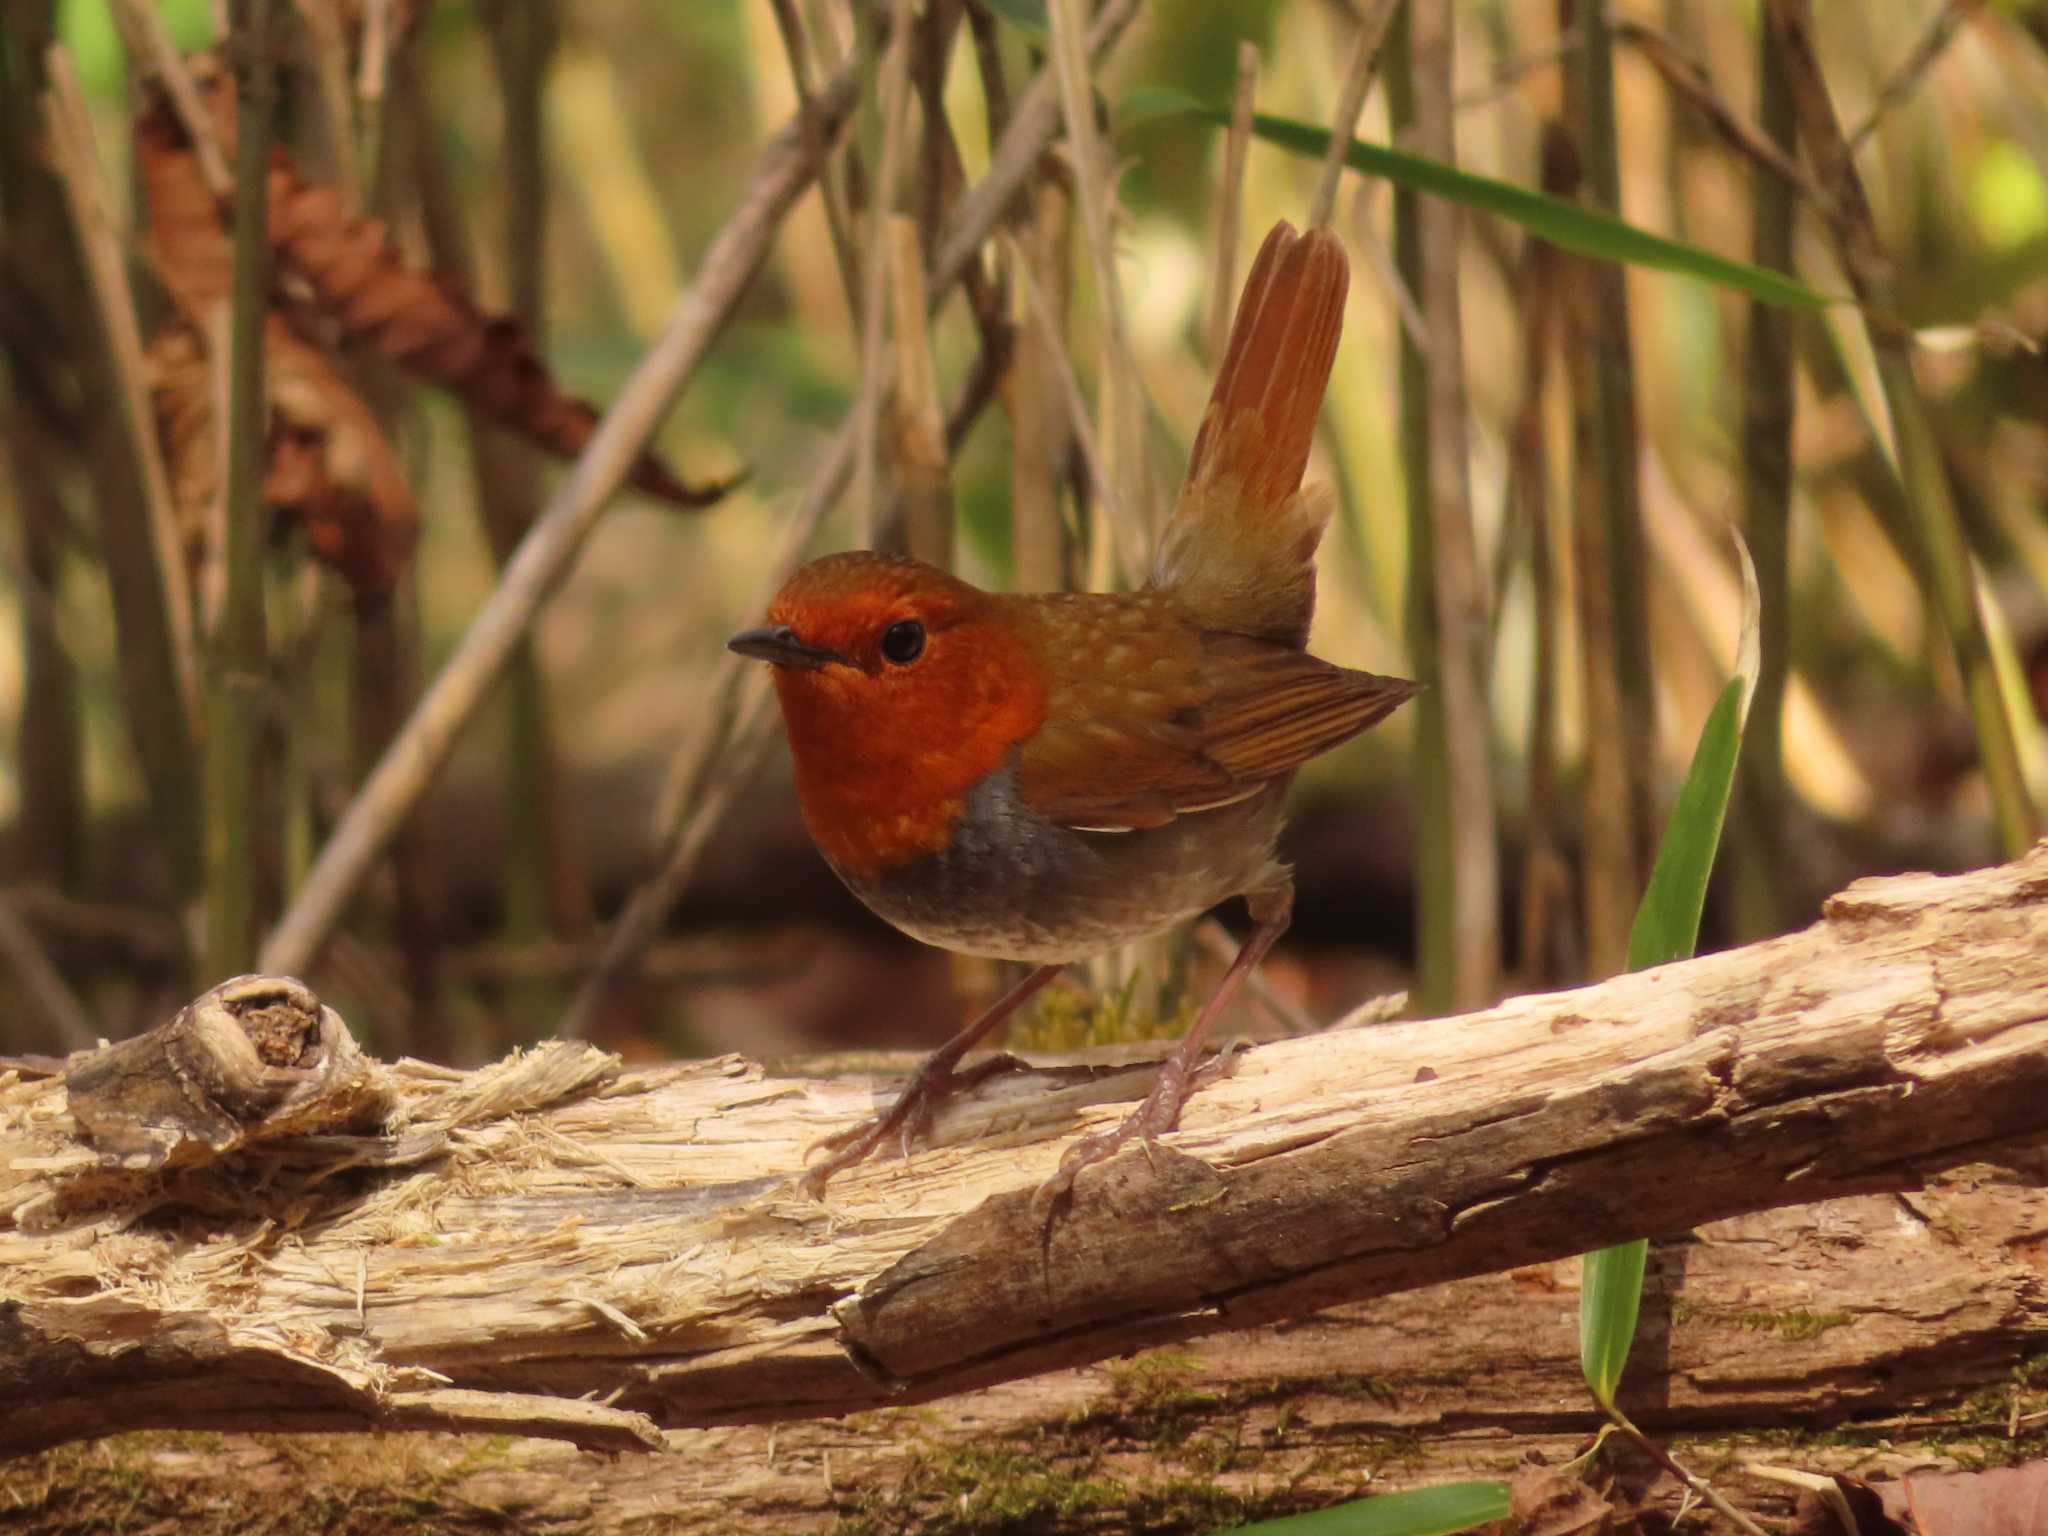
[(909, 1119)]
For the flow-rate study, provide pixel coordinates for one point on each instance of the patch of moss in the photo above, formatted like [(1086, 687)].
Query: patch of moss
[(1067, 1021), (981, 1490), (135, 1483), (1797, 1326)]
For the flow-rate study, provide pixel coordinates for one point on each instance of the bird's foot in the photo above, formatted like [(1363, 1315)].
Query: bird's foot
[(908, 1119), (1160, 1113)]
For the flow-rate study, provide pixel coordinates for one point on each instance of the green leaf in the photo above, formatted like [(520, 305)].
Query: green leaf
[(1563, 224), (1667, 924), (1436, 1511), (1027, 16), (1667, 927), (1609, 1296)]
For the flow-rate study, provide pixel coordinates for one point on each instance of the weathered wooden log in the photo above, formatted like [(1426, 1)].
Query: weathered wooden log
[(1878, 1334), (554, 1246)]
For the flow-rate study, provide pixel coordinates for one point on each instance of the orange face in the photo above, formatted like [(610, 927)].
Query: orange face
[(901, 687)]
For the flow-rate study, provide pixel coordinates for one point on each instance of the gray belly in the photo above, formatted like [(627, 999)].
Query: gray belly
[(1015, 886)]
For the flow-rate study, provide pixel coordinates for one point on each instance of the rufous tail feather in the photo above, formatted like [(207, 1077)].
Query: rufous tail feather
[(1240, 548)]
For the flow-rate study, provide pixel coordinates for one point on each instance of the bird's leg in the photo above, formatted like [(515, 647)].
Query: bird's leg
[(1184, 1071), (910, 1116)]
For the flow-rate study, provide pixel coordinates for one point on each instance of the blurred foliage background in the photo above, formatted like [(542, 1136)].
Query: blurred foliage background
[(573, 165)]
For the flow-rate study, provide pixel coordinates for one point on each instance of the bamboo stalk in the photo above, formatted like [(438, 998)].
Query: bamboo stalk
[(238, 663)]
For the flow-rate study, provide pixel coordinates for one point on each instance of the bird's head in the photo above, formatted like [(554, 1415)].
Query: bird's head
[(901, 687)]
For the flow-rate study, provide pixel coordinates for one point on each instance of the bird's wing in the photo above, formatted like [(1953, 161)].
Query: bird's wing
[(1243, 713)]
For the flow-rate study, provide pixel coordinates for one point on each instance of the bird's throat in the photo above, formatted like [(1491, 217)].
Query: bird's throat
[(883, 781)]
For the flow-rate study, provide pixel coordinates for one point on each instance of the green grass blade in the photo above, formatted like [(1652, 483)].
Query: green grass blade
[(1436, 1511), (1609, 1297), (1667, 924), (1566, 225), (1667, 927)]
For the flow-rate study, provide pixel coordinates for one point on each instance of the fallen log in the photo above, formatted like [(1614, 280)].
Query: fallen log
[(241, 1223)]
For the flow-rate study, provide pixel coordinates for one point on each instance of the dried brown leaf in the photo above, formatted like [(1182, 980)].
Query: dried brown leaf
[(330, 467), (360, 280), (2001, 1501)]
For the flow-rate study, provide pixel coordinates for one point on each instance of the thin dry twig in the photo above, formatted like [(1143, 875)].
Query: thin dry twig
[(42, 985), (1510, 72), (795, 43), (926, 493), (330, 74), (1697, 1486), (150, 48), (1367, 239), (732, 753), (1941, 31), (1688, 79), (1039, 314), (1230, 198), (75, 160), (1365, 63)]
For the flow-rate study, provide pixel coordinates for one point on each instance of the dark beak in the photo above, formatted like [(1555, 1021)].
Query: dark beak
[(778, 643)]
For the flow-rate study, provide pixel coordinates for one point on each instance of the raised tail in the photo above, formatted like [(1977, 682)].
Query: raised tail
[(1240, 548)]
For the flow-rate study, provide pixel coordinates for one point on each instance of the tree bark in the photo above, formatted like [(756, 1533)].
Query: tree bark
[(240, 1223)]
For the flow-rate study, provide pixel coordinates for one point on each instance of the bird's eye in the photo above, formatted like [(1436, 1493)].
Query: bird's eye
[(903, 641)]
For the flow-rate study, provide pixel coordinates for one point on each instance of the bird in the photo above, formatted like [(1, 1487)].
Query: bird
[(1042, 777)]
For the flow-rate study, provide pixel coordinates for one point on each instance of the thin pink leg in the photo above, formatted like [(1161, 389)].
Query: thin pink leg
[(910, 1116), (1183, 1073)]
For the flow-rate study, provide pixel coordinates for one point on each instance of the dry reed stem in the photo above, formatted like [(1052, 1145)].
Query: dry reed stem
[(893, 89), (1040, 436), (1120, 403), (926, 492), (733, 751), (1463, 628), (74, 160), (152, 52), (1688, 79), (789, 23), (1044, 329), (1230, 198), (1381, 260), (1941, 31), (1358, 76), (330, 75)]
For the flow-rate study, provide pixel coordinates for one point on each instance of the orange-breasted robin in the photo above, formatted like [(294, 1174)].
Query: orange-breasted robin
[(1042, 777)]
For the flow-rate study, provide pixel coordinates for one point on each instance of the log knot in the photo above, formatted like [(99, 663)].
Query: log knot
[(255, 1058)]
